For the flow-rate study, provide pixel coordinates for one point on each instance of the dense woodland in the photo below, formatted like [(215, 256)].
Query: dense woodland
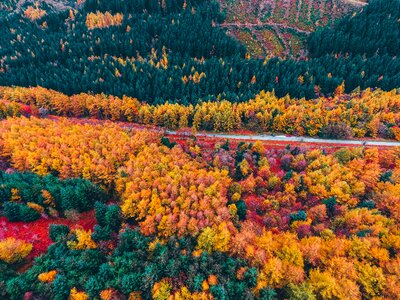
[(174, 52), (94, 206), (374, 31), (199, 220), (362, 114)]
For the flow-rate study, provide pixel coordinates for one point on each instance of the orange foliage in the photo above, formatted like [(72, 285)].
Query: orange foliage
[(34, 13), (13, 250), (94, 152), (48, 276), (266, 112), (171, 193)]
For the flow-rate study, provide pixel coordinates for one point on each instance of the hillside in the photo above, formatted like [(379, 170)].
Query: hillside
[(281, 27), (175, 52)]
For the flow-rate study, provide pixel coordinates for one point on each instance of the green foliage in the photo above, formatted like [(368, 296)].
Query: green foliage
[(166, 142), (57, 232), (109, 59), (251, 277), (16, 287), (109, 216), (101, 233), (136, 264), (94, 286), (375, 30), (241, 209), (131, 282), (48, 192), (370, 204), (61, 288), (219, 292), (301, 215), (268, 294), (330, 204), (20, 212), (385, 177)]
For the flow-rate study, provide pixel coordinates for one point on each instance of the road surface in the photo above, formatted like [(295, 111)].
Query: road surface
[(292, 139)]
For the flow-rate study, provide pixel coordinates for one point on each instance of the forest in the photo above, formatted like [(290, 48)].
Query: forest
[(373, 114), (108, 191), (173, 51), (194, 220)]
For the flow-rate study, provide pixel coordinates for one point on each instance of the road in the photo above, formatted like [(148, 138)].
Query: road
[(242, 137), (293, 139)]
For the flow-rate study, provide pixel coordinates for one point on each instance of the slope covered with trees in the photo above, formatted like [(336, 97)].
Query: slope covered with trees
[(280, 27), (174, 51), (374, 31)]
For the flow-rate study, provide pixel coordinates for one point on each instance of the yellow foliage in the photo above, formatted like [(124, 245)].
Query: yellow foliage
[(396, 132), (102, 20), (293, 116), (324, 285), (371, 279), (162, 290), (135, 296), (258, 147), (48, 276), (216, 238), (232, 210), (72, 150), (205, 286), (84, 240), (15, 197), (13, 250), (171, 193), (35, 206), (48, 198), (76, 295)]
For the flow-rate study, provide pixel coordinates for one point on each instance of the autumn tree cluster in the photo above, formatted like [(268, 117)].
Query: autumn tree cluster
[(197, 220), (164, 189), (363, 114), (100, 20), (69, 150)]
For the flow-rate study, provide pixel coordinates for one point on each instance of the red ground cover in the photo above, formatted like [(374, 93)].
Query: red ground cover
[(37, 233)]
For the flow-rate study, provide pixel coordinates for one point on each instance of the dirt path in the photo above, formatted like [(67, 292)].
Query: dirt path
[(355, 2), (260, 25)]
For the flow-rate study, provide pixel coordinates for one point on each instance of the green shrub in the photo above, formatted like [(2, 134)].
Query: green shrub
[(16, 212), (57, 232), (48, 191)]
